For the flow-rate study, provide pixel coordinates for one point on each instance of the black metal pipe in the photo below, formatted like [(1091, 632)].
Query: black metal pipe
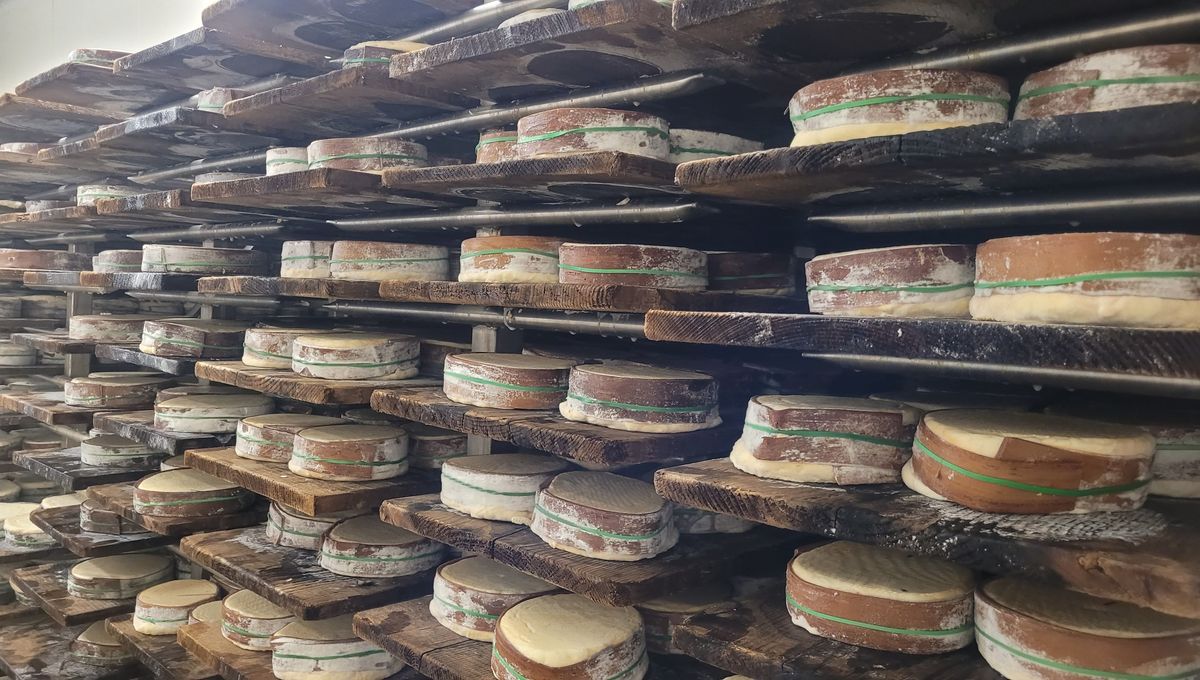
[(623, 325)]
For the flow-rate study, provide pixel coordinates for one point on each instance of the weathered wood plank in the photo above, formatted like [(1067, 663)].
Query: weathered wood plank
[(280, 382), (54, 343), (190, 133), (89, 154), (63, 525), (11, 554), (139, 426), (161, 654), (46, 584), (31, 120), (170, 207), (267, 286), (73, 217), (95, 86), (139, 280), (119, 499), (205, 642), (40, 649), (129, 354), (65, 469), (48, 408)]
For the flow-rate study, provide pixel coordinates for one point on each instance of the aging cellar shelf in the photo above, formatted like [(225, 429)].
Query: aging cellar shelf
[(39, 649), (160, 654), (46, 584), (119, 499), (284, 383), (63, 525), (139, 426), (48, 408), (66, 470)]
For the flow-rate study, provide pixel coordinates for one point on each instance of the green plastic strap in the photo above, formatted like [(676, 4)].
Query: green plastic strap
[(189, 343), (464, 610), (694, 149), (364, 156), (652, 131), (264, 353), (925, 97), (291, 258), (354, 463), (150, 620), (1058, 665), (501, 251), (639, 407), (823, 434), (488, 491), (350, 655), (389, 260), (598, 532), (652, 272), (281, 161), (832, 288), (1080, 278), (355, 364), (242, 631), (495, 140), (190, 501), (883, 629), (1021, 486), (497, 383), (355, 558), (517, 674), (1105, 82), (286, 530)]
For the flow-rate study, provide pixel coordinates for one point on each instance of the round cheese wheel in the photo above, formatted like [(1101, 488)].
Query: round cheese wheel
[(633, 265), (500, 486), (209, 612), (20, 596), (880, 598), (174, 463), (568, 132), (294, 529), (695, 145), (470, 594), (34, 488), (752, 273), (697, 521), (21, 532), (434, 353), (112, 261), (569, 636), (95, 646), (1107, 279), (9, 490), (38, 206), (117, 392), (1031, 463), (367, 547), (603, 515), (366, 154), (113, 451), (838, 440), (356, 356), (640, 398), (496, 146), (88, 194), (188, 493), (884, 103), (119, 577), (163, 609), (305, 259), (379, 261), (661, 615), (284, 159), (248, 620), (270, 437), (199, 260), (194, 338), (901, 281), (97, 520), (429, 447), (209, 413), (350, 452), (1036, 631), (509, 259), (197, 390), (66, 500), (37, 438), (108, 328), (328, 650), (508, 381), (12, 354)]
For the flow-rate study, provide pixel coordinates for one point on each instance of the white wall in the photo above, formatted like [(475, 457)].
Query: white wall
[(36, 35)]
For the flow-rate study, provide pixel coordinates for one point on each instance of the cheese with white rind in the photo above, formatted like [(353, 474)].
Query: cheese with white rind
[(880, 598), (284, 159), (305, 259), (197, 390), (508, 381), (293, 529), (117, 392), (195, 338), (500, 486), (641, 398), (20, 531), (174, 463), (65, 500), (367, 547), (112, 261), (10, 509), (496, 145), (113, 451), (622, 264), (569, 132), (97, 520), (569, 636), (188, 493), (661, 615), (209, 612), (350, 452), (209, 413), (172, 259), (95, 646), (12, 354), (118, 577), (429, 447), (695, 145), (509, 259), (366, 154), (902, 281), (328, 650), (248, 620), (605, 516), (470, 594), (356, 356), (381, 261), (163, 609), (270, 437), (108, 328)]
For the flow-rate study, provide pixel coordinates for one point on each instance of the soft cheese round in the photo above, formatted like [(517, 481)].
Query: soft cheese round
[(510, 381), (270, 437), (164, 608), (570, 631), (201, 260), (118, 577), (901, 281), (641, 398), (209, 413), (270, 347), (328, 650), (366, 154), (248, 620), (108, 328), (509, 259), (350, 452), (382, 261), (605, 516), (368, 547), (695, 145), (305, 259), (188, 493), (356, 356), (573, 131), (500, 486), (623, 264), (882, 572)]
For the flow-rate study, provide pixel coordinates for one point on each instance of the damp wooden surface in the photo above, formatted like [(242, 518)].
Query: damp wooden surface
[(139, 280), (292, 578), (60, 281), (170, 207), (119, 499), (96, 87), (63, 525), (14, 612), (267, 286), (205, 642), (309, 496), (11, 554), (74, 217), (32, 120), (1146, 557), (54, 343), (548, 431), (139, 426), (87, 153), (190, 133), (66, 470), (46, 584), (281, 382), (129, 354), (48, 408), (694, 560), (39, 649), (160, 654)]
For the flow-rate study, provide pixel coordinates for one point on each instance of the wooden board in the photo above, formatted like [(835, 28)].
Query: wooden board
[(97, 87), (31, 120), (11, 325), (48, 408), (292, 578), (346, 102), (10, 554), (310, 496), (61, 281), (205, 642), (39, 649), (88, 153), (129, 354), (758, 639), (139, 280), (267, 286), (170, 207), (139, 426), (73, 217), (190, 133), (280, 382), (54, 343), (47, 585), (548, 431), (10, 420), (15, 612), (160, 654), (119, 499), (694, 560), (63, 525), (1147, 557), (320, 193), (65, 469)]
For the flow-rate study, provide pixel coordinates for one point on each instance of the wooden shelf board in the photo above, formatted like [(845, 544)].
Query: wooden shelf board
[(17, 325), (280, 382), (310, 496), (60, 281), (31, 120), (266, 286), (129, 354), (46, 584), (139, 280), (139, 426), (63, 525), (205, 642), (88, 153), (96, 87), (10, 420), (48, 408), (694, 560), (11, 554), (190, 133), (39, 649), (1149, 555), (15, 612), (170, 208), (271, 286), (54, 343), (292, 578), (65, 469), (592, 445), (74, 217), (119, 499), (37, 370), (160, 654)]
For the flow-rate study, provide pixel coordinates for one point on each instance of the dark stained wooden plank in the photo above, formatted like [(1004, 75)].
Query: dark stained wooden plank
[(25, 173), (65, 469), (32, 120), (758, 639), (129, 354), (292, 578), (239, 285), (73, 217), (63, 525), (310, 496), (139, 280), (694, 560), (95, 86), (10, 420), (170, 207), (10, 554), (48, 408), (139, 426), (280, 382), (1147, 557), (89, 154), (11, 325), (54, 343), (160, 654), (39, 649), (119, 499), (548, 431), (205, 642), (189, 133), (46, 584)]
